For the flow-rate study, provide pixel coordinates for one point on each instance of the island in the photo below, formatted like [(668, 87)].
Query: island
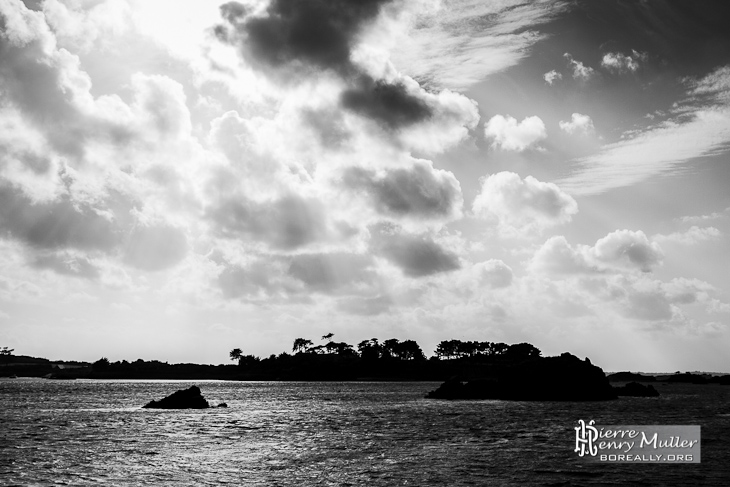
[(560, 378)]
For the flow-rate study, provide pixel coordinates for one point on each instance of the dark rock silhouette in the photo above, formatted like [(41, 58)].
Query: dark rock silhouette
[(721, 379), (190, 398), (687, 377), (634, 389), (630, 376), (563, 378), (222, 405)]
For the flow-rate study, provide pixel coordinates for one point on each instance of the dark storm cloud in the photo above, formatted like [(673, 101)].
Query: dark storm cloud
[(389, 104), (331, 272), (319, 35), (416, 191), (67, 265), (285, 223), (416, 255)]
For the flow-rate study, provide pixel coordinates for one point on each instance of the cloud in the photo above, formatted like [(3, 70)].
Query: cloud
[(578, 124), (621, 63), (332, 272), (320, 34), (523, 205), (459, 43), (372, 306), (155, 247), (655, 151), (415, 255), (66, 264), (621, 250), (692, 236), (495, 273), (390, 104), (581, 72), (419, 191), (56, 224), (704, 218), (700, 126), (628, 249), (310, 36), (508, 134), (285, 223), (551, 76)]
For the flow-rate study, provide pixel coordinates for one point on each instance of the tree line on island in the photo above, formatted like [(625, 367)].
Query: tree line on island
[(392, 359), (406, 350)]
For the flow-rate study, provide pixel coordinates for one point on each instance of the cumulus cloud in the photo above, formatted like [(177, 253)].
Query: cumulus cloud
[(508, 134), (523, 205), (285, 223), (311, 37), (629, 249), (578, 124), (332, 272), (56, 224), (621, 63), (692, 236), (621, 250), (419, 191), (581, 72), (495, 273), (551, 76), (415, 255)]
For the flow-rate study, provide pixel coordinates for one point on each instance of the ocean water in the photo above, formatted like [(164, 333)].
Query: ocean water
[(332, 434)]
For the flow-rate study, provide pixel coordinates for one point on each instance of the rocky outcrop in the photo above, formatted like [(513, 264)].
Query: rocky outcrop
[(190, 398), (630, 376), (563, 378), (634, 389)]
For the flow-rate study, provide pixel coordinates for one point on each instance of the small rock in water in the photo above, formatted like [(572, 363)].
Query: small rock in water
[(190, 398), (222, 405)]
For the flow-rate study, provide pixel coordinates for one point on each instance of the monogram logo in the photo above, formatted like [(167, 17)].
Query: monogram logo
[(585, 437)]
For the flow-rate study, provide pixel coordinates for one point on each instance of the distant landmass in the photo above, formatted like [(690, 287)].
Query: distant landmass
[(509, 370)]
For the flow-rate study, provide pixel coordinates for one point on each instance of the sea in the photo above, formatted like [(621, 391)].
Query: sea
[(94, 432)]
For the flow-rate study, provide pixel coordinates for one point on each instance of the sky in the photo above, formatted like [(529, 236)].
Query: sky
[(179, 178)]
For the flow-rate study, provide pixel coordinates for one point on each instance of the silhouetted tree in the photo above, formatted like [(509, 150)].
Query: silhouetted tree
[(447, 349), (6, 353), (390, 348), (522, 351), (369, 349), (409, 350), (236, 354), (499, 348), (102, 363), (249, 360), (301, 345)]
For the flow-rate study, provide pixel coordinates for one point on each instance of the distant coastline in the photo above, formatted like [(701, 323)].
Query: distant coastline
[(390, 360)]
